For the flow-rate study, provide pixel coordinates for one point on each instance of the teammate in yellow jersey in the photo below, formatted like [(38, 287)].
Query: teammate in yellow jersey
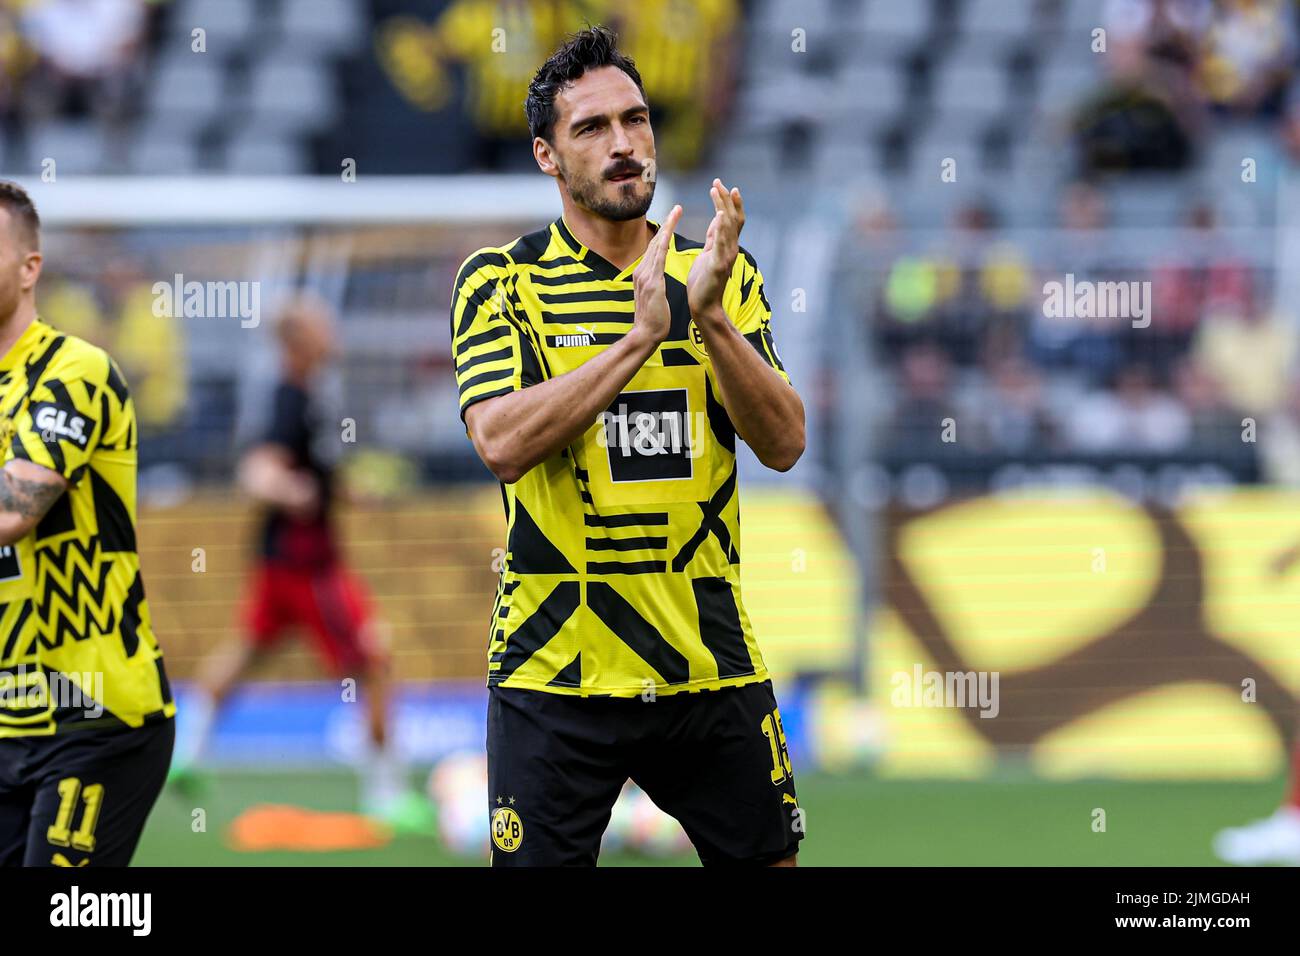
[(85, 709), (606, 367)]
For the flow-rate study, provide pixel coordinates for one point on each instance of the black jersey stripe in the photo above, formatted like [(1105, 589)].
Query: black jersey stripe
[(627, 567), (570, 675), (587, 295), (531, 551), (130, 628), (16, 631), (627, 544), (600, 267), (484, 259), (483, 396), (112, 519), (473, 360), (563, 278), (469, 302), (720, 628), (546, 267), (117, 383), (637, 633), (486, 377), (710, 523), (761, 346), (724, 430), (60, 392), (52, 448), (104, 421), (539, 627), (586, 318), (532, 356), (483, 338), (771, 347), (637, 519), (33, 370)]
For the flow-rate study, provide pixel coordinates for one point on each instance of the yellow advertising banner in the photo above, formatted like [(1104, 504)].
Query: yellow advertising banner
[(1082, 634)]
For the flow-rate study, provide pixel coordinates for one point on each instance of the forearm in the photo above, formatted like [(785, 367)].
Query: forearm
[(515, 432), (12, 528), (269, 480), (26, 493), (767, 412)]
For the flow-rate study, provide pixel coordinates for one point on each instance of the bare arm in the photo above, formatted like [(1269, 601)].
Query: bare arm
[(766, 411), (27, 491), (266, 473), (514, 433)]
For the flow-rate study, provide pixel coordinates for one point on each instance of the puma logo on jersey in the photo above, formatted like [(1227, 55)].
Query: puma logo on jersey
[(580, 339), (54, 423)]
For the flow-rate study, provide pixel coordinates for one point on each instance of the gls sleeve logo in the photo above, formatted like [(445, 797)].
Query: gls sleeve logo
[(56, 423)]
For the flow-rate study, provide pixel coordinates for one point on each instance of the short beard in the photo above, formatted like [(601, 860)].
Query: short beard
[(586, 193)]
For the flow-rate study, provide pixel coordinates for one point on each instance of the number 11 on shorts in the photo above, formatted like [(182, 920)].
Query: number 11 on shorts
[(775, 735)]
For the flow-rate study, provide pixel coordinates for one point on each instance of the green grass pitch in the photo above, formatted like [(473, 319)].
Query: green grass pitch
[(851, 820)]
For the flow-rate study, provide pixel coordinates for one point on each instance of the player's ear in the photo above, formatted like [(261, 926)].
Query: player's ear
[(31, 270), (544, 153)]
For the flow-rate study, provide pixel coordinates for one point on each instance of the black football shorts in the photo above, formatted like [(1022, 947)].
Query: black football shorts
[(715, 760), (80, 798)]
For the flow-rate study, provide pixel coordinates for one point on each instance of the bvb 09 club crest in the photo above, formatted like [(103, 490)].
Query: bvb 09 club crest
[(507, 830)]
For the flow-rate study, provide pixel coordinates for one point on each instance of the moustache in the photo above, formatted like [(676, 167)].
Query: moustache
[(623, 169)]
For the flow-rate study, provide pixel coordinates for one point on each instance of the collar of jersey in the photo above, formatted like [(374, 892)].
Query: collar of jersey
[(23, 344), (597, 263)]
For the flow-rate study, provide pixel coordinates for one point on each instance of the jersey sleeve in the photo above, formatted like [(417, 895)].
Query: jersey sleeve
[(491, 345), (77, 406), (746, 303)]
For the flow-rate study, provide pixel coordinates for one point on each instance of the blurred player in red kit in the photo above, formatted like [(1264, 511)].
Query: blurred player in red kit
[(299, 579)]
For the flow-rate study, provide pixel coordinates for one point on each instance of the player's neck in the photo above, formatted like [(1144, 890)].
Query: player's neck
[(301, 374), (296, 375), (618, 243), (17, 322)]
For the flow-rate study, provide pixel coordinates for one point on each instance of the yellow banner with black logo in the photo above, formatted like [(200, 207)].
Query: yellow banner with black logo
[(1087, 635)]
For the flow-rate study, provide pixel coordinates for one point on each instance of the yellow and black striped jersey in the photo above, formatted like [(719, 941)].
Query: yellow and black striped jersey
[(76, 626), (622, 565)]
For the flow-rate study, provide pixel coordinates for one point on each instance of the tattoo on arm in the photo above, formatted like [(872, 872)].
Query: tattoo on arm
[(22, 496)]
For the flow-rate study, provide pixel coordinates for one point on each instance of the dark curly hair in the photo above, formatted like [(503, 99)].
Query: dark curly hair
[(585, 50)]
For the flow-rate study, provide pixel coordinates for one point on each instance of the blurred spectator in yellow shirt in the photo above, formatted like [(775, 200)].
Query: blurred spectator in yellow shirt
[(1251, 354), (685, 51), (70, 306), (150, 350)]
